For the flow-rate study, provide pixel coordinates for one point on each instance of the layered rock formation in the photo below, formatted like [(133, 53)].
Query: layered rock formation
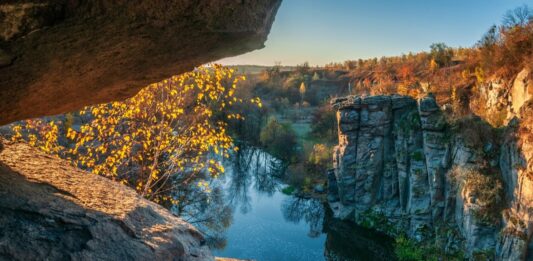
[(399, 159), (60, 55), (50, 210)]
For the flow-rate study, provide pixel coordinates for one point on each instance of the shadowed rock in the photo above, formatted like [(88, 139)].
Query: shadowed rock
[(50, 210), (58, 55)]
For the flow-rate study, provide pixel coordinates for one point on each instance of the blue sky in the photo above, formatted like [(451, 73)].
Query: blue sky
[(323, 31)]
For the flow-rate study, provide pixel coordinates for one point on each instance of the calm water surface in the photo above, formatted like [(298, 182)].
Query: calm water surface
[(269, 225)]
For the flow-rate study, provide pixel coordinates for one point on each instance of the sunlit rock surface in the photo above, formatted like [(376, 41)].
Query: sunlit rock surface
[(522, 90), (50, 210), (60, 55), (516, 161), (503, 99), (397, 157)]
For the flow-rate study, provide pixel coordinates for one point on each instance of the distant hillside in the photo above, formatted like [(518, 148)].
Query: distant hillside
[(257, 69)]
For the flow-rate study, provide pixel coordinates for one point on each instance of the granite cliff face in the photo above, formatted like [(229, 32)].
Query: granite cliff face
[(400, 160), (60, 55)]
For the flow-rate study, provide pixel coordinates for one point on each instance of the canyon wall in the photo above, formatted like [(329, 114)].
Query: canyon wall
[(400, 160)]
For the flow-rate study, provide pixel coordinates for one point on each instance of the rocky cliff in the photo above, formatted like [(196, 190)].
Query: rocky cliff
[(502, 99), (60, 55), (50, 210), (399, 160)]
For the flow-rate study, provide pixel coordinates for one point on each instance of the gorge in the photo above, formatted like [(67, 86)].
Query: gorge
[(121, 140)]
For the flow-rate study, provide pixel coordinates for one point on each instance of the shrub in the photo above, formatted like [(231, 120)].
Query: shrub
[(320, 157), (485, 188), (441, 54), (474, 131), (407, 250)]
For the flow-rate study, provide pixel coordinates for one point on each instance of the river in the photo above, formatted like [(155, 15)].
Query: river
[(262, 223)]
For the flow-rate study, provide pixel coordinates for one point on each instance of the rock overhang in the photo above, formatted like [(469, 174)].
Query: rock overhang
[(57, 55)]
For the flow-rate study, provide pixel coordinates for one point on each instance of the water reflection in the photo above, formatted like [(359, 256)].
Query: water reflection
[(210, 213), (247, 217), (310, 210), (251, 168)]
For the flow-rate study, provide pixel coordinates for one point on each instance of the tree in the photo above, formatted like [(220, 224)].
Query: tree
[(406, 73), (171, 133), (324, 124), (316, 77), (302, 91), (303, 68), (320, 156), (487, 46), (441, 54), (433, 65), (279, 140), (519, 16), (403, 89), (490, 38)]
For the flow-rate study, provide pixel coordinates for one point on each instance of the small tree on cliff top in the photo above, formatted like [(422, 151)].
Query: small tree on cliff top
[(519, 16)]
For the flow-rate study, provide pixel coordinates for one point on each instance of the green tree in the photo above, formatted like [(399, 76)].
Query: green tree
[(324, 124), (316, 77), (279, 140)]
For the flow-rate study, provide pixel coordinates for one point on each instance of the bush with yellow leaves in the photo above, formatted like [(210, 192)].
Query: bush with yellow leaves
[(172, 131)]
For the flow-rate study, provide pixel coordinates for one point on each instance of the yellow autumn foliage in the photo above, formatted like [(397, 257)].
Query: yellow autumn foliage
[(171, 131)]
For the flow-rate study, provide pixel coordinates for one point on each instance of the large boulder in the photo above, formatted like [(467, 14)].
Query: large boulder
[(59, 55), (50, 210)]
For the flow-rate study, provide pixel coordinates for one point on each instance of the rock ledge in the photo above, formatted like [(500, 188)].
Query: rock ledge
[(51, 210)]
